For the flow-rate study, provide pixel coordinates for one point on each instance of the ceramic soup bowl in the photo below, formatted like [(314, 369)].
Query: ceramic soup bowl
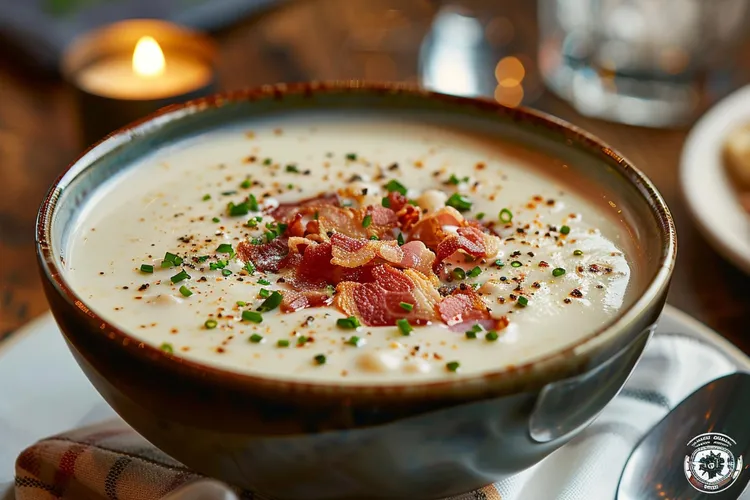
[(293, 439)]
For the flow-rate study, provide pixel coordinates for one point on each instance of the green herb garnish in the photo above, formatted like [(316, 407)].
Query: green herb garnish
[(557, 272), (249, 267), (238, 208), (505, 216), (225, 248), (216, 220), (210, 324), (263, 293), (226, 272), (459, 273), (272, 302), (167, 348), (267, 161), (491, 336), (182, 275), (349, 323), (564, 230), (354, 340), (516, 263), (400, 239), (386, 202), (320, 359), (252, 203), (351, 156), (219, 264), (252, 316), (292, 168), (255, 338), (499, 263), (480, 216), (246, 184), (523, 301), (206, 197), (394, 185), (577, 253), (471, 334), (459, 202), (171, 260), (264, 282), (301, 340), (474, 272), (185, 291), (147, 268), (282, 343), (404, 326), (452, 366), (406, 306), (367, 220)]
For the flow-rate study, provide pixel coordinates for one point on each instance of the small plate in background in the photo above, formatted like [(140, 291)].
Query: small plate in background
[(706, 187)]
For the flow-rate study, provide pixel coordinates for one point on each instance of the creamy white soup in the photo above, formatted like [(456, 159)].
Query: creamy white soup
[(356, 251)]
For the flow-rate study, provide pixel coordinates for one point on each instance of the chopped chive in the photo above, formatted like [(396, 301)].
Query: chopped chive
[(203, 258), (229, 193), (452, 366), (316, 215), (459, 273), (406, 306), (367, 220), (349, 323), (292, 168), (374, 237), (147, 268), (264, 293), (400, 239), (246, 184), (351, 156), (499, 263), (249, 267), (267, 161), (564, 230), (394, 185), (219, 264), (330, 288), (476, 328), (251, 223), (577, 253), (225, 248), (252, 203), (226, 272), (471, 334), (386, 202), (491, 336), (241, 303), (182, 275), (558, 271), (167, 348), (185, 291), (210, 324), (282, 343), (301, 340), (171, 260), (505, 216), (454, 180), (216, 220), (272, 302), (516, 263), (255, 338), (264, 282), (252, 316), (480, 216), (523, 301), (474, 272), (459, 202), (206, 197), (404, 326), (238, 209), (354, 340), (320, 359)]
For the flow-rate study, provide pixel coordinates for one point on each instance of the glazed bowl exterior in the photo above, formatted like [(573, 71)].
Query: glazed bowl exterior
[(298, 440)]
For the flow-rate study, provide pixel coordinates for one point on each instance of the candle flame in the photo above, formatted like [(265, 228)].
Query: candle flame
[(148, 58)]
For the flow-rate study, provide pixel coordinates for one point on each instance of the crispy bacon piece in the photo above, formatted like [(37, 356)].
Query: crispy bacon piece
[(295, 300), (417, 256), (265, 257), (378, 303), (462, 305), (469, 240), (285, 211), (350, 252), (429, 230), (396, 201)]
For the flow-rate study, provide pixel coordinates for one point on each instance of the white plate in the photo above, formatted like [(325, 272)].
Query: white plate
[(707, 190), (43, 392)]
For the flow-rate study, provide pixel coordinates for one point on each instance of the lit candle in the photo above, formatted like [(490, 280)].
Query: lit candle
[(129, 69), (145, 75)]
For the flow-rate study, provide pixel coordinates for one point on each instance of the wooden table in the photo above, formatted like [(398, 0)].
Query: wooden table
[(325, 39)]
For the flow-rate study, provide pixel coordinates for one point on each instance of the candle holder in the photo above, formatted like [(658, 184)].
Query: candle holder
[(130, 69)]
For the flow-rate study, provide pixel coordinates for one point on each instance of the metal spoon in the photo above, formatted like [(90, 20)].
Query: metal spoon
[(699, 450)]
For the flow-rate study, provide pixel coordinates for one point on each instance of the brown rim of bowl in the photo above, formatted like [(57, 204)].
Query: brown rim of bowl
[(470, 383)]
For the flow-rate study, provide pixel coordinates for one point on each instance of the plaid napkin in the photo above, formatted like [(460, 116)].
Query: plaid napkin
[(110, 461)]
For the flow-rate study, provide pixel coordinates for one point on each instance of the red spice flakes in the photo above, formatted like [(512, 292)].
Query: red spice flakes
[(537, 198), (173, 331), (143, 287), (550, 202), (576, 293), (277, 131), (437, 356), (250, 159), (344, 373), (480, 166), (220, 350), (599, 286), (543, 264), (418, 164)]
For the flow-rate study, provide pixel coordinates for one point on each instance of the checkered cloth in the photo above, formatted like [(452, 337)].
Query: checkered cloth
[(111, 461)]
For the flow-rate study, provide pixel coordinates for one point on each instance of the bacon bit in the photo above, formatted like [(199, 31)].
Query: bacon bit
[(350, 252), (286, 211), (576, 293), (462, 305), (469, 240), (417, 256), (378, 303), (543, 264), (265, 257), (294, 300), (430, 230)]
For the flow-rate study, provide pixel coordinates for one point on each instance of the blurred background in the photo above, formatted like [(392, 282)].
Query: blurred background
[(638, 73)]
